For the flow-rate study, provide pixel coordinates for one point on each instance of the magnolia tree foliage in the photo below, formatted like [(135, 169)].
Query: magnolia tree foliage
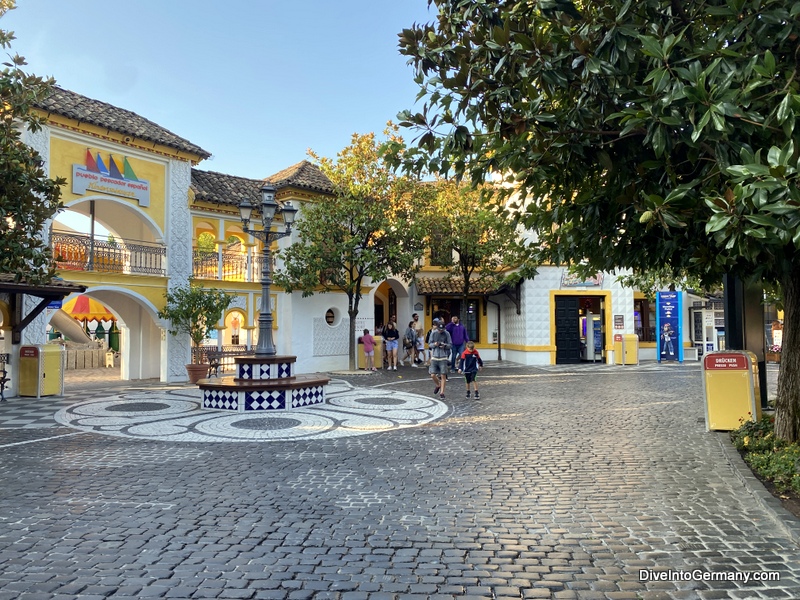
[(194, 310), (369, 230), (474, 238), (640, 134), (28, 198)]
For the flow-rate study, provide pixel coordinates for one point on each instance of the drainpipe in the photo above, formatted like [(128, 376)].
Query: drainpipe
[(499, 338)]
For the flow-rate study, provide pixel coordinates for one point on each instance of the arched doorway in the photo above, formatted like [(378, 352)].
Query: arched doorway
[(140, 347)]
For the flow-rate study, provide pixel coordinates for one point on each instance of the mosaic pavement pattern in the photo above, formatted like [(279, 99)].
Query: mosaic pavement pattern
[(175, 415)]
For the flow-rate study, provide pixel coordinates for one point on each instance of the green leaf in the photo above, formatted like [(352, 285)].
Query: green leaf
[(769, 62), (717, 222), (764, 220), (784, 109)]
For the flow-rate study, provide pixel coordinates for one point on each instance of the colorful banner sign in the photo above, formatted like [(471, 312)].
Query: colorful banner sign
[(669, 326), (571, 280), (116, 179)]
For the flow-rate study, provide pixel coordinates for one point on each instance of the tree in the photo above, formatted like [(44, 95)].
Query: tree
[(474, 238), (194, 310), (369, 230), (655, 133), (28, 198), (657, 279)]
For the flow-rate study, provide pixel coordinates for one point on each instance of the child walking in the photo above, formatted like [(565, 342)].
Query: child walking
[(469, 364)]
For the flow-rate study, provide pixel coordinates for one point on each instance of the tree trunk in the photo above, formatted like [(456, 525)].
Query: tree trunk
[(353, 313), (787, 407)]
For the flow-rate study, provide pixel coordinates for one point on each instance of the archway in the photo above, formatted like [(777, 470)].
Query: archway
[(139, 332), (391, 299)]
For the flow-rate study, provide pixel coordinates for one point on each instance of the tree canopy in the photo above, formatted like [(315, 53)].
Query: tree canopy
[(471, 236), (194, 310), (28, 198), (369, 230), (640, 134)]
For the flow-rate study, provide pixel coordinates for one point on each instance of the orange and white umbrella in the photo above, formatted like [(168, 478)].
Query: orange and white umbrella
[(84, 308)]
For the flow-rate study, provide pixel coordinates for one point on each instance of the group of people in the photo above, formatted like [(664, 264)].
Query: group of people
[(449, 349)]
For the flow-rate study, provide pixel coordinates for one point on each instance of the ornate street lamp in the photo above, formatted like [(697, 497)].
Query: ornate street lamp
[(269, 208)]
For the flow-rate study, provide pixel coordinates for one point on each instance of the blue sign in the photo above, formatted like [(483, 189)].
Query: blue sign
[(669, 326), (55, 304)]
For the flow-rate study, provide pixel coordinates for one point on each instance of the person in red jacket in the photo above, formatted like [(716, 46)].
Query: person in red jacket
[(469, 364)]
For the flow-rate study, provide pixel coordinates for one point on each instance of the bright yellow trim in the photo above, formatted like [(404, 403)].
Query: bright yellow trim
[(523, 348), (609, 324), (5, 315), (639, 296), (647, 344)]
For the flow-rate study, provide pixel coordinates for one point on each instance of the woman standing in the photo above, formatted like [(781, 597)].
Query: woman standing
[(390, 337), (409, 345)]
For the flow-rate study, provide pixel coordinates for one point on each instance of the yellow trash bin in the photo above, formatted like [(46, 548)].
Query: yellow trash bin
[(630, 349), (41, 370), (730, 389), (626, 349)]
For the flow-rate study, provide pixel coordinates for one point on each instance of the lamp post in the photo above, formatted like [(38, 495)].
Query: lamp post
[(269, 208)]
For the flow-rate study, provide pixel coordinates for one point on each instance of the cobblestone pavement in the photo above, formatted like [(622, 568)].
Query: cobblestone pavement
[(558, 483)]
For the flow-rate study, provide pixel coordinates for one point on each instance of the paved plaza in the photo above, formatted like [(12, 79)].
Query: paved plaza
[(587, 482)]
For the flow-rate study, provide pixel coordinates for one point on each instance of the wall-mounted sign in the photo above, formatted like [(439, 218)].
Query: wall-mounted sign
[(571, 280), (115, 179), (619, 321)]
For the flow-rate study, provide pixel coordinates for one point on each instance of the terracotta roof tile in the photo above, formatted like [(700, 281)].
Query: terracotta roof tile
[(444, 285), (303, 175), (219, 188), (94, 112), (55, 286)]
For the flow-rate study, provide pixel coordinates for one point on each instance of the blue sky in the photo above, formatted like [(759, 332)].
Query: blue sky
[(254, 82)]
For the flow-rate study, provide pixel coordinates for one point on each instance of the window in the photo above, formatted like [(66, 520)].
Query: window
[(644, 318)]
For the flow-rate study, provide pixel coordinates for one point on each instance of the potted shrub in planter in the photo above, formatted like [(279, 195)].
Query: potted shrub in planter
[(194, 310), (774, 353)]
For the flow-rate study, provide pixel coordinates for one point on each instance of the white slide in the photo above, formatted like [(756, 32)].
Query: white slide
[(69, 327)]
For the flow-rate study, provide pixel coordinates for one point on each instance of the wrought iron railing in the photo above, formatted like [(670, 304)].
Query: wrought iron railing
[(235, 266), (77, 252), (205, 265), (223, 356)]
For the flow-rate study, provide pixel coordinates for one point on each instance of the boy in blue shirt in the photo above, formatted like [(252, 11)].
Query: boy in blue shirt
[(469, 364)]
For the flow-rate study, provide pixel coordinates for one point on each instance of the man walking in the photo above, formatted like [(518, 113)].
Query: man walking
[(440, 345), (459, 338)]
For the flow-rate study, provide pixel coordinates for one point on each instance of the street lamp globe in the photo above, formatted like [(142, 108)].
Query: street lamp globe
[(268, 203)]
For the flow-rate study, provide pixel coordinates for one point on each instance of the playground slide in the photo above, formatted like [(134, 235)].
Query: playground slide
[(69, 327)]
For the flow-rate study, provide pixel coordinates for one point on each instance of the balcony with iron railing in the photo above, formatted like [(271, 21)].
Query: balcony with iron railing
[(81, 252), (226, 266)]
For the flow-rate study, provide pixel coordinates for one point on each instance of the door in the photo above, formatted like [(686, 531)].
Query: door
[(568, 335)]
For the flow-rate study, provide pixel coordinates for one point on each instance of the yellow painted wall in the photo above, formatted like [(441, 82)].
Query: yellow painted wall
[(64, 154), (149, 286)]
